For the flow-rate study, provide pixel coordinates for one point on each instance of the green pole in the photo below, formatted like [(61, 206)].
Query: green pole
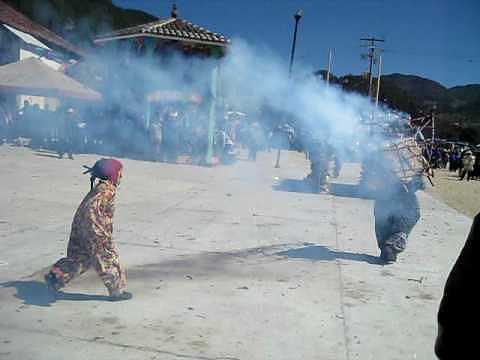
[(148, 114), (150, 52), (212, 115)]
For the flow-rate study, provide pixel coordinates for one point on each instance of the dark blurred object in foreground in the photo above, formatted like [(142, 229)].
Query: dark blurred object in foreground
[(459, 311)]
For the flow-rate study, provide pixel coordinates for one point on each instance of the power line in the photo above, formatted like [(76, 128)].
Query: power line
[(442, 56), (474, 58)]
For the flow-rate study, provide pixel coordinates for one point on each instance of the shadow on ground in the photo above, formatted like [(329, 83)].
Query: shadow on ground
[(36, 293), (233, 264), (194, 266), (323, 253), (207, 264), (31, 292), (293, 185), (350, 191), (336, 189)]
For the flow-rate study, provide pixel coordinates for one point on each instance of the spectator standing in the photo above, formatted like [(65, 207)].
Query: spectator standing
[(155, 132), (255, 140), (454, 160), (468, 162), (476, 166), (5, 123), (67, 134), (170, 137)]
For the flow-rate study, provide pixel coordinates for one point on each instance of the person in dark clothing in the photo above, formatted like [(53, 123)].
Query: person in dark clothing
[(255, 140), (454, 160), (396, 212), (36, 127), (199, 145), (445, 156), (396, 207), (459, 313), (338, 163), (67, 134), (476, 166), (5, 122), (170, 137), (319, 154), (22, 119)]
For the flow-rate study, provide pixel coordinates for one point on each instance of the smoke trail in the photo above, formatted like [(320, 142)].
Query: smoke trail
[(253, 77)]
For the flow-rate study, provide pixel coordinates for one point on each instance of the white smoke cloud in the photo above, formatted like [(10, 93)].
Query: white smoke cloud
[(253, 76)]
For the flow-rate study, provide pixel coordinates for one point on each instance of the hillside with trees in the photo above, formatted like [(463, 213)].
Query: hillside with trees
[(80, 20), (457, 108)]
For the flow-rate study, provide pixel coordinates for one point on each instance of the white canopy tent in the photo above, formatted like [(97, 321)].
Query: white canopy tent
[(32, 77)]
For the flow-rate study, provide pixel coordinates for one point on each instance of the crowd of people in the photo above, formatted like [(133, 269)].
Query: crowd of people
[(57, 129), (172, 131), (462, 159)]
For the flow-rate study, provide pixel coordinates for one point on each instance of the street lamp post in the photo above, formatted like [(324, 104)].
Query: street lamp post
[(298, 15)]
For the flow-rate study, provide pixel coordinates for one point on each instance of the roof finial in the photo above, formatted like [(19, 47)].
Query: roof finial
[(174, 13)]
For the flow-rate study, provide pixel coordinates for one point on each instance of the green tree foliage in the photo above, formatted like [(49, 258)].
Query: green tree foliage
[(458, 108), (80, 20)]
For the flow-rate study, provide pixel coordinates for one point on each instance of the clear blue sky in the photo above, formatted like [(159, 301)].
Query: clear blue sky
[(437, 39)]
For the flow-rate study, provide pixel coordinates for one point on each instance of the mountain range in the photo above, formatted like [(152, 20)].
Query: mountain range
[(457, 108)]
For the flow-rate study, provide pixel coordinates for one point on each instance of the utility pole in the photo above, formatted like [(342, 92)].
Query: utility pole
[(378, 79), (329, 66), (371, 44), (433, 128), (433, 123)]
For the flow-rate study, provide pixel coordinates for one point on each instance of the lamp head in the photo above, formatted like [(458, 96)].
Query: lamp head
[(298, 14)]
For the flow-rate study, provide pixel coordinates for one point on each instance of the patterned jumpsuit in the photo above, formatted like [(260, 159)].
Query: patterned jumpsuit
[(91, 243)]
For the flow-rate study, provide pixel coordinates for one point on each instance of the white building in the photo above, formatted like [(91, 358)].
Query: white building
[(22, 38)]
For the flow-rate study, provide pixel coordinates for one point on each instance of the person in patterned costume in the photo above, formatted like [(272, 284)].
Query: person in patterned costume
[(91, 243)]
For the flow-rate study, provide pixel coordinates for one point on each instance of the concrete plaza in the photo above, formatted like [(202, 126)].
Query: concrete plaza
[(229, 262)]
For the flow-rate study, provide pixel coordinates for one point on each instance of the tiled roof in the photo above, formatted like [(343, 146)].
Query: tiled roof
[(14, 18), (171, 28)]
